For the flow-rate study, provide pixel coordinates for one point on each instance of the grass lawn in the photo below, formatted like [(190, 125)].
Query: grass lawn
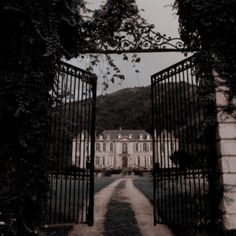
[(178, 204), (69, 200), (103, 181), (145, 185)]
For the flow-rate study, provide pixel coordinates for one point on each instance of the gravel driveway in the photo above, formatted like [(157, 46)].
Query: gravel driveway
[(122, 210)]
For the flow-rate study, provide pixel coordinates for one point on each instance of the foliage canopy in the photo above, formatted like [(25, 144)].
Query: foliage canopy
[(211, 27)]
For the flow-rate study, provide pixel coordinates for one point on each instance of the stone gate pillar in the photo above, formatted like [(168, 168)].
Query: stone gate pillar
[(226, 150)]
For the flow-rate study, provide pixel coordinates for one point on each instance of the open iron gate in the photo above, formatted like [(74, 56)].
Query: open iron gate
[(71, 145), (180, 149)]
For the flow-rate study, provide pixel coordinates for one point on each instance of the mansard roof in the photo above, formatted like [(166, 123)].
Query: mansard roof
[(130, 134), (114, 134)]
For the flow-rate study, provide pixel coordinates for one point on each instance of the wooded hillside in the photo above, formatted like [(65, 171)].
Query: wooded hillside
[(128, 108), (177, 110), (131, 108)]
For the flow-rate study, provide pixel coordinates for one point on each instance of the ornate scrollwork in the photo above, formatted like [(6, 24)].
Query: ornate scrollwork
[(143, 40)]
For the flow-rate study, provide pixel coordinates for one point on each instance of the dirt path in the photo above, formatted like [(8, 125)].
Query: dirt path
[(144, 212), (100, 205), (122, 210)]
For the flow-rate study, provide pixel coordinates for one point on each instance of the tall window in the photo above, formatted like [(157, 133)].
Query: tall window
[(103, 161), (136, 147), (104, 147), (97, 161), (138, 161), (98, 147), (124, 148), (111, 147), (144, 147)]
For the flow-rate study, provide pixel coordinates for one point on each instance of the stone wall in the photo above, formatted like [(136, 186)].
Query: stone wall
[(226, 150)]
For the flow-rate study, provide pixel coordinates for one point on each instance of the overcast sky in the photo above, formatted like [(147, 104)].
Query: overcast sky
[(159, 13)]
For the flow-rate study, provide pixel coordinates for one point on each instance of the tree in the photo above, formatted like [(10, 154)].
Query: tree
[(35, 35), (210, 26)]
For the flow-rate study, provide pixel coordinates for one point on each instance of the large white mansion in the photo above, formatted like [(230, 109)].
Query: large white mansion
[(122, 149)]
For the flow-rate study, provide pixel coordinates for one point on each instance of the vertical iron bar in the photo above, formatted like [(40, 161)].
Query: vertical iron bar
[(69, 160), (51, 141), (186, 138), (170, 145), (169, 140), (153, 96), (178, 173), (174, 190), (83, 152), (192, 130), (166, 151), (66, 218), (59, 157), (86, 161), (162, 152), (198, 148), (176, 109), (80, 186), (92, 148), (74, 149)]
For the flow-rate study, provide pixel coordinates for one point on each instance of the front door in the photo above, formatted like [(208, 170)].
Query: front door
[(124, 162)]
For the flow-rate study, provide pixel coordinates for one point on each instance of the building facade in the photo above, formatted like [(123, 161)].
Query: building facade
[(118, 149), (124, 149)]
